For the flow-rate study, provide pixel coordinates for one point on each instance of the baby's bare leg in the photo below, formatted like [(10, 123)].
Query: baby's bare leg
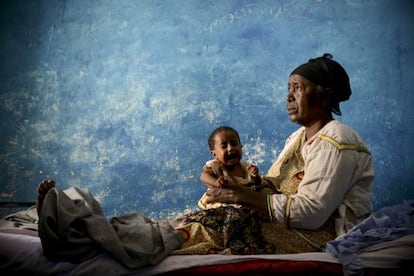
[(42, 190)]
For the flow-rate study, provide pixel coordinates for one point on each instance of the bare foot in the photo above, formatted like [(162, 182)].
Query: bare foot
[(42, 190)]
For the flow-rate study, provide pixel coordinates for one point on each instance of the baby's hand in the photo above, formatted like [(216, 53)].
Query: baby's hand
[(253, 170), (220, 182)]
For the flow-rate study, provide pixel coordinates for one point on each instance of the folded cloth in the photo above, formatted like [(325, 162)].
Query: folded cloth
[(72, 227), (387, 224)]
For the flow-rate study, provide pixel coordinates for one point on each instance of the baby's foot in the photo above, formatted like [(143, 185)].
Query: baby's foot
[(42, 190)]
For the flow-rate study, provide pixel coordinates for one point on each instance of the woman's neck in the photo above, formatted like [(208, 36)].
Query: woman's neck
[(314, 128)]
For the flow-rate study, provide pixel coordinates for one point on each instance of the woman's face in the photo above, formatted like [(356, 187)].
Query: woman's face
[(227, 148), (303, 105)]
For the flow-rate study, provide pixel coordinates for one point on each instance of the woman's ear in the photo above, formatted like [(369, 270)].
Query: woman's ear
[(319, 90), (328, 90), (326, 93), (329, 97)]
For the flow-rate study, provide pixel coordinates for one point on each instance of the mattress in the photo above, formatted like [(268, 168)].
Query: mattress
[(21, 252)]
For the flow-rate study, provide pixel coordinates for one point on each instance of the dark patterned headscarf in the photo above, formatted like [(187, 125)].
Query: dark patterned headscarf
[(328, 73)]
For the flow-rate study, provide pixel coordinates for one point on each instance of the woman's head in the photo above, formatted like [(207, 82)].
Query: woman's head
[(330, 78), (225, 146)]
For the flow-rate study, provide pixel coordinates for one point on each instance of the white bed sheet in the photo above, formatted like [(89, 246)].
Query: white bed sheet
[(23, 253)]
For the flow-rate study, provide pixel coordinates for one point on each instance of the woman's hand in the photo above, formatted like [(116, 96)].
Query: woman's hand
[(227, 192), (234, 193)]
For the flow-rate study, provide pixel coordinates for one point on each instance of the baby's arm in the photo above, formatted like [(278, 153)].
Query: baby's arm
[(210, 180)]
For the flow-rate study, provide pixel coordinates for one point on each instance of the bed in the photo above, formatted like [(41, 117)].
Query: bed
[(21, 253)]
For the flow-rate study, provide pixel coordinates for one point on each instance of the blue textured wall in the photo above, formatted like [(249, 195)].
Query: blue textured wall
[(120, 96)]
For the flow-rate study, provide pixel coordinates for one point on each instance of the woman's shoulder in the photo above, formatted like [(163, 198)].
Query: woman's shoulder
[(340, 133)]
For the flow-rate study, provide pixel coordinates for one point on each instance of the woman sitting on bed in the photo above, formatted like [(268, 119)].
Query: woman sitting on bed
[(323, 175)]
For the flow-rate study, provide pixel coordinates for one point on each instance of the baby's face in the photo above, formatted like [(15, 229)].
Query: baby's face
[(227, 148)]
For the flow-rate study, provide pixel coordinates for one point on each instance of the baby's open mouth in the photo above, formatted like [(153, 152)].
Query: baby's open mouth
[(231, 156)]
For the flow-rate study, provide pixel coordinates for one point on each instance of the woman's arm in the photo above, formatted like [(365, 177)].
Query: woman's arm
[(328, 176)]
